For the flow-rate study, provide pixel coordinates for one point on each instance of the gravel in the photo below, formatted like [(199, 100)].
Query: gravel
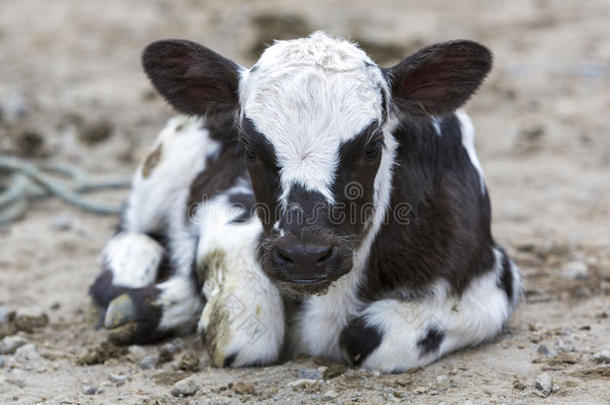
[(148, 362), (544, 384), (137, 352), (309, 374), (602, 356), (28, 354), (90, 390), (185, 387), (9, 344)]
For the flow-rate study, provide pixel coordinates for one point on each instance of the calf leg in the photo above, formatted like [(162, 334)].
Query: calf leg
[(242, 323), (393, 335), (146, 289)]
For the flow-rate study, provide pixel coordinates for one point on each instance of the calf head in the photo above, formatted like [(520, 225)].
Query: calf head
[(316, 117)]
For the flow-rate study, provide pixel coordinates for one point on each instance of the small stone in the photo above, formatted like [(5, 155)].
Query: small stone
[(442, 382), (310, 374), (544, 384), (95, 132), (185, 387), (189, 362), (602, 357), (542, 349), (420, 390), (148, 362), (62, 222), (243, 388), (167, 351), (90, 390), (302, 383), (117, 378), (329, 395), (9, 344), (1, 361), (178, 343), (518, 385), (137, 352), (575, 270), (28, 354)]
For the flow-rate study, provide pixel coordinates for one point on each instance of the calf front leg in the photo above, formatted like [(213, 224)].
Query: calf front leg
[(393, 335), (242, 323)]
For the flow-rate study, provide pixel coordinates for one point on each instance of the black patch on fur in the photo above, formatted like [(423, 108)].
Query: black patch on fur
[(358, 340), (353, 185), (506, 277), (229, 360), (102, 290), (444, 229), (222, 171), (243, 201), (264, 174), (431, 342)]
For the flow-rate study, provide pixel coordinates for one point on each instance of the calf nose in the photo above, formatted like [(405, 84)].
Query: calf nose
[(303, 261)]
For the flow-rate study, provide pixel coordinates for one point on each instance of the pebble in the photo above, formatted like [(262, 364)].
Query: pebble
[(137, 352), (148, 362), (544, 384), (1, 361), (575, 270), (167, 351), (9, 344), (543, 349), (90, 390), (117, 378), (329, 395), (185, 387), (28, 354), (302, 383), (420, 390), (442, 382), (602, 357), (309, 374)]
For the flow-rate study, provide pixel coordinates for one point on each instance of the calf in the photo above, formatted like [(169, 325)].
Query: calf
[(314, 203)]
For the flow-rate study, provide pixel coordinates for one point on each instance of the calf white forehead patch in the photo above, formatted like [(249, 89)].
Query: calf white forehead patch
[(307, 96)]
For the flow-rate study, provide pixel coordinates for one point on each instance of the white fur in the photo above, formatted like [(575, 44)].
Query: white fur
[(468, 142), (478, 315), (133, 259), (184, 144), (237, 291), (180, 304), (307, 96)]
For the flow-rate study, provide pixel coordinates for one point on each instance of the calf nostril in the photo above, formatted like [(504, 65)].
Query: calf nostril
[(327, 255), (281, 256)]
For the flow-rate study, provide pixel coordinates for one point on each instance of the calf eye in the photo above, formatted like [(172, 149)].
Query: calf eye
[(373, 150)]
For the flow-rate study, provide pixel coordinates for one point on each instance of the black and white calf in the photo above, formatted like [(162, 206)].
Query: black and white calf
[(314, 203)]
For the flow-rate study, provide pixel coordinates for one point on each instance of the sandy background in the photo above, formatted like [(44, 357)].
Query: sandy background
[(72, 91)]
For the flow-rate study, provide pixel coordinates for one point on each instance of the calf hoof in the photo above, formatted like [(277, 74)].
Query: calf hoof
[(95, 315), (133, 318), (357, 341)]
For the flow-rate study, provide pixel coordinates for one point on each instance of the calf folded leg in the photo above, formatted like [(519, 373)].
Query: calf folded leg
[(242, 323), (393, 335), (146, 289)]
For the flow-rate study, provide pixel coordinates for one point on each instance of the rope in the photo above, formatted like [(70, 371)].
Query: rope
[(21, 181)]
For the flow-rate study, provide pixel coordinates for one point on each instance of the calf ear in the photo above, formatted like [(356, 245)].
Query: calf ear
[(192, 78), (439, 79)]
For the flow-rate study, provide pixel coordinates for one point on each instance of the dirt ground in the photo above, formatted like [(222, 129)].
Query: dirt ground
[(72, 91)]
